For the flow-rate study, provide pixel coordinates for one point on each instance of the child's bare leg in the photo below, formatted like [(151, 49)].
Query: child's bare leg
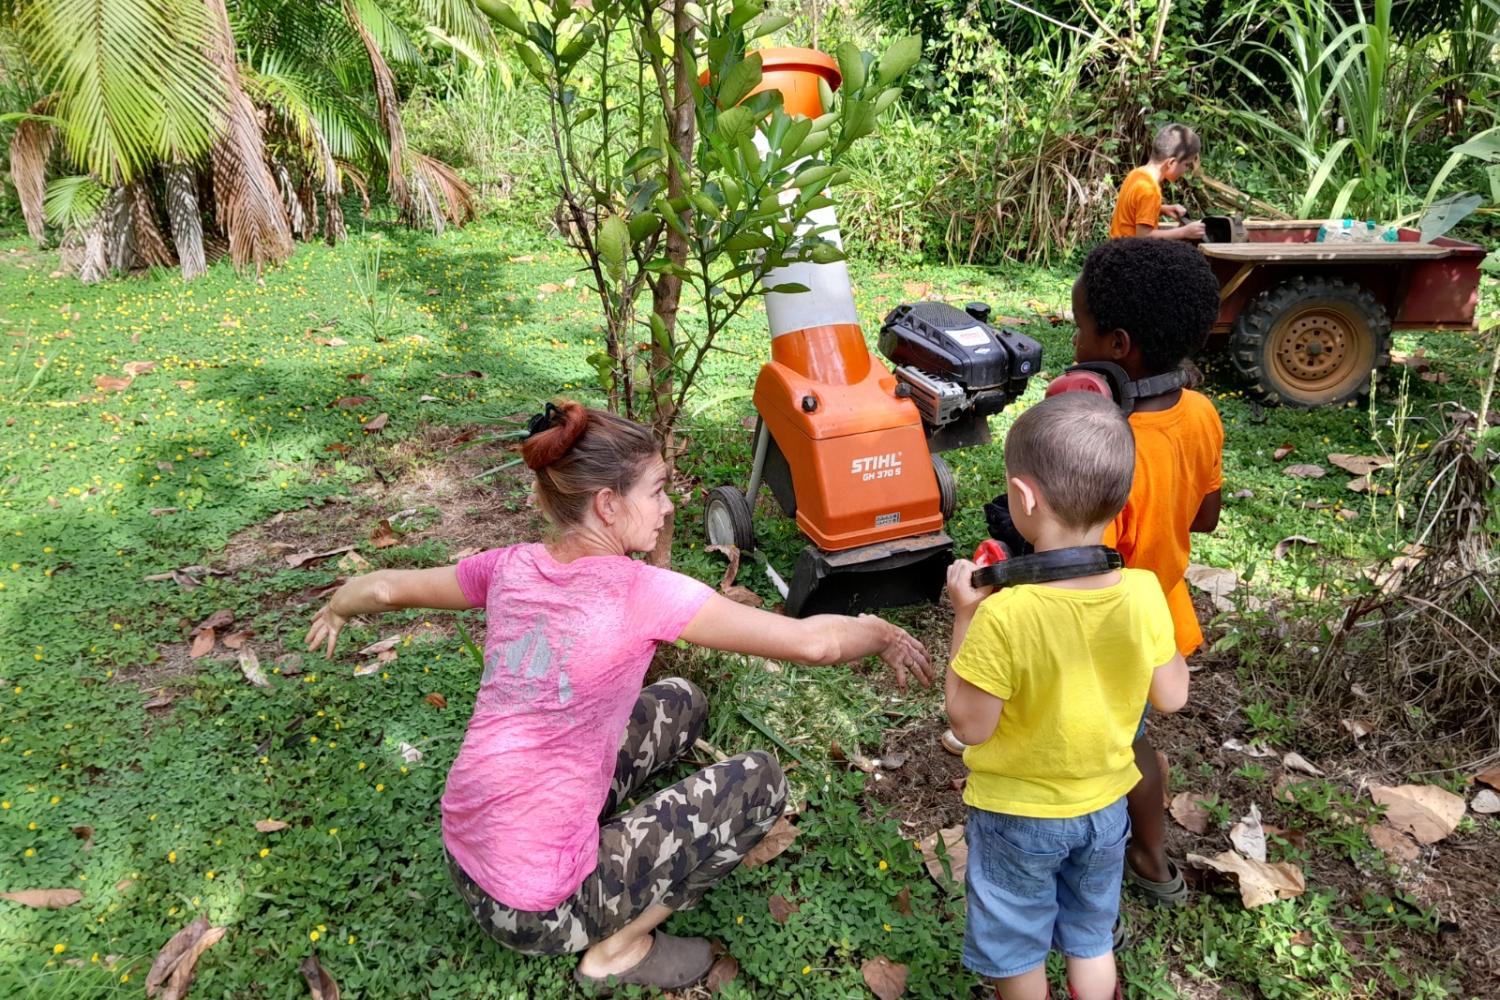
[(1147, 853), (625, 948), (1027, 986), (1092, 978)]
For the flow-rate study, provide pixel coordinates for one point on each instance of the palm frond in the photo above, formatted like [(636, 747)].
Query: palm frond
[(388, 35), (148, 245), (441, 194), (74, 202), (30, 148), (459, 18), (185, 217), (132, 79), (390, 113), (308, 103), (247, 203)]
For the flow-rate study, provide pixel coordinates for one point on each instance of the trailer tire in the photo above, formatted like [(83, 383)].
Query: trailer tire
[(947, 487), (727, 518), (1311, 342)]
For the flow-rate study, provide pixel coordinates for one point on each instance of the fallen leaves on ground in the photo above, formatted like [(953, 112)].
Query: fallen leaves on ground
[(1282, 452), (472, 373), (956, 849), (172, 972), (219, 619), (410, 754), (1486, 803), (352, 402), (44, 899), (773, 844), (203, 644), (139, 367), (782, 908), (1259, 882), (917, 289), (1305, 470), (1215, 581), (383, 646), (886, 979), (85, 833), (1290, 542), (1427, 812), (1249, 749), (1294, 761), (112, 383), (744, 595), (1358, 728), (384, 536), (1358, 465), (299, 560), (1248, 835), (186, 577), (1187, 809), (270, 825), (732, 553), (436, 700), (250, 667), (236, 640), (377, 423), (320, 984), (1394, 844), (1490, 777), (721, 973)]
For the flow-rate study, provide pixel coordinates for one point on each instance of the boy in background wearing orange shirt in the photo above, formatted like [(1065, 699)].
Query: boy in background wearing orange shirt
[(1174, 154), (1147, 305)]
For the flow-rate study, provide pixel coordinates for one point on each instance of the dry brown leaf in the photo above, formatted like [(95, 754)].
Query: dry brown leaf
[(330, 342), (375, 648), (464, 553), (298, 560), (917, 289), (743, 595), (721, 973), (377, 423), (320, 984), (124, 884), (85, 833), (1282, 452), (1260, 883), (219, 619), (1486, 802), (1290, 542), (1394, 844), (903, 902), (1427, 812), (178, 959), (1359, 485), (1213, 580), (1294, 761), (384, 536), (436, 700), (139, 367), (957, 850), (1305, 470), (112, 383), (468, 374), (352, 402), (203, 644), (338, 447), (1249, 749), (1187, 809), (732, 553), (270, 825), (886, 979), (250, 667), (1358, 465), (162, 700), (1439, 378), (44, 899), (782, 908), (236, 640), (771, 846), (1358, 728), (1490, 777), (1248, 835), (549, 288)]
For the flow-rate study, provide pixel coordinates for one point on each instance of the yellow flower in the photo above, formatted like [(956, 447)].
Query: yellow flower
[(806, 969), (125, 977), (172, 857), (332, 830), (361, 767), (265, 851), (54, 800), (740, 919), (4, 805), (882, 866), (886, 928), (59, 948), (210, 875), (31, 825), (380, 788), (31, 852), (312, 935), (352, 939)]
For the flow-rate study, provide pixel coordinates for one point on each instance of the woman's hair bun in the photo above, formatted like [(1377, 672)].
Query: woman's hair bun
[(553, 432)]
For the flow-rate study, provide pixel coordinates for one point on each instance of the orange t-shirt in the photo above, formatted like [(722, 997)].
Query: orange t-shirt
[(1178, 461), (1139, 204)]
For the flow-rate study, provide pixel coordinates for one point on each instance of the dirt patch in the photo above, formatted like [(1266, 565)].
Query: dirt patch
[(923, 794)]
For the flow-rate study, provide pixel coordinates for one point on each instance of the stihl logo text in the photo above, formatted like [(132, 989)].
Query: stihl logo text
[(871, 467)]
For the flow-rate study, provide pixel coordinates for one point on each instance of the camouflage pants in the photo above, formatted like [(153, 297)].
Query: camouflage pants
[(669, 849)]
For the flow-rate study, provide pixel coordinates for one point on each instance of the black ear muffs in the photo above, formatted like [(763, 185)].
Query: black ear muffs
[(1049, 567), (1126, 392)]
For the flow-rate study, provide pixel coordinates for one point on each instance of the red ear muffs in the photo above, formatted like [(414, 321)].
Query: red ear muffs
[(1078, 380)]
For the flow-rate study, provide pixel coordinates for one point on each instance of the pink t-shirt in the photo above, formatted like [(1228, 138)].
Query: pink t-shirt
[(566, 648)]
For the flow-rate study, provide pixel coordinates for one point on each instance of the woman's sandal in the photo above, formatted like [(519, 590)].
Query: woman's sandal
[(1169, 893), (671, 964)]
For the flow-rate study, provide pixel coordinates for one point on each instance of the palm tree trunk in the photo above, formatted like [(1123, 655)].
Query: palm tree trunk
[(151, 248), (247, 205), (186, 218), (29, 149)]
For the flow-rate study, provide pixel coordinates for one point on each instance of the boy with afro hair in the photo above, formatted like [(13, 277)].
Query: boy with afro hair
[(1148, 305)]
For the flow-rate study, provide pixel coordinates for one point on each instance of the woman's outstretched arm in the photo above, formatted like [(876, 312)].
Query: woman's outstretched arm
[(736, 628), (385, 590)]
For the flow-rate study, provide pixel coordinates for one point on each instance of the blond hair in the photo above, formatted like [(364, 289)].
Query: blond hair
[(1175, 142), (1077, 447)]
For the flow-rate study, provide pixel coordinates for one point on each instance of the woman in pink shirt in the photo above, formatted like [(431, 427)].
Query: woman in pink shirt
[(562, 732)]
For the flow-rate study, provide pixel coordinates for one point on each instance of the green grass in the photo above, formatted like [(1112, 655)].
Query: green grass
[(232, 426)]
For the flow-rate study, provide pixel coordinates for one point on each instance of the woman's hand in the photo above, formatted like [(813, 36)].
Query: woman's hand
[(961, 590), (902, 652), (1177, 212), (325, 629)]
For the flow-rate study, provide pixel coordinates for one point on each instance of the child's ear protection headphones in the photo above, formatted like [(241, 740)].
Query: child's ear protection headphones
[(998, 568), (1105, 378)]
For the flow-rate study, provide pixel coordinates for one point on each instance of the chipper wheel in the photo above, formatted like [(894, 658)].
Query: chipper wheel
[(727, 518), (1311, 342), (947, 488)]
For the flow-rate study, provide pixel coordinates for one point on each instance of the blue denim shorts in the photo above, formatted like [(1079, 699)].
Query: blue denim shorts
[(1035, 884), (1140, 731)]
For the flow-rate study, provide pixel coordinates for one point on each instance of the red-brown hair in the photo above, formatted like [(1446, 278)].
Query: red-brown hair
[(581, 451)]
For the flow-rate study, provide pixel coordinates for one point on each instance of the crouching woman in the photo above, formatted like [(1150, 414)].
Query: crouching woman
[(563, 734)]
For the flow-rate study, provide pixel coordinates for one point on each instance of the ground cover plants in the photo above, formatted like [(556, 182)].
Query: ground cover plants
[(189, 466)]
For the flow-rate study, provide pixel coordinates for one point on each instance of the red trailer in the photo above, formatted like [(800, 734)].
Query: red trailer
[(1307, 322)]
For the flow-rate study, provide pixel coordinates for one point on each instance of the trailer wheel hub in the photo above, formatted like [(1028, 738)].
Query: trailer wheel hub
[(1313, 346)]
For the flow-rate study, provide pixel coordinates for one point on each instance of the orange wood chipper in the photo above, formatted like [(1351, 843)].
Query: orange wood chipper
[(847, 445)]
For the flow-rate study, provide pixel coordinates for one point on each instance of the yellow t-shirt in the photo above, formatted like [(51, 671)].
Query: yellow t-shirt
[(1074, 668), (1139, 204)]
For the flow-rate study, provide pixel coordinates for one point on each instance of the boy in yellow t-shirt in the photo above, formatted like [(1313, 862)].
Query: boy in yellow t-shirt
[(1138, 210), (1046, 686)]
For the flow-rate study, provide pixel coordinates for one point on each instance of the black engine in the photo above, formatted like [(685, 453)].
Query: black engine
[(956, 368)]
